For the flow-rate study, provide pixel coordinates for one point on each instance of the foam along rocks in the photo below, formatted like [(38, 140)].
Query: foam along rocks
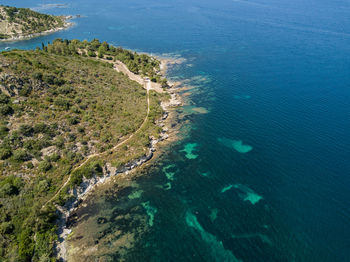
[(235, 144), (188, 149)]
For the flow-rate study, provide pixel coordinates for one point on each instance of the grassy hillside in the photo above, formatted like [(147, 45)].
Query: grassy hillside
[(15, 22), (56, 109)]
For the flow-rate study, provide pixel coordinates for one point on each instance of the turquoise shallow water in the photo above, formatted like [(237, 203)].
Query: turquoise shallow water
[(264, 175)]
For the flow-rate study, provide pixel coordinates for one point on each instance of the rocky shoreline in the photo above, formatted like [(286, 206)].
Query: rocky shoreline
[(81, 192), (51, 31)]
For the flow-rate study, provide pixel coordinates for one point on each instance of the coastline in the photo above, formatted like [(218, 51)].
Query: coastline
[(47, 32), (88, 186)]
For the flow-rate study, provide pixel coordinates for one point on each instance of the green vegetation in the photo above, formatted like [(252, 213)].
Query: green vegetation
[(141, 64), (16, 22), (58, 107)]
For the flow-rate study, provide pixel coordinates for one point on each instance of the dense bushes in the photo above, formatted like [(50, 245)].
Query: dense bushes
[(11, 185), (31, 21), (87, 171), (138, 63)]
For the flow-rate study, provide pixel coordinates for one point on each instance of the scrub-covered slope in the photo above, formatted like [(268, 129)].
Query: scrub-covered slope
[(22, 22), (56, 110)]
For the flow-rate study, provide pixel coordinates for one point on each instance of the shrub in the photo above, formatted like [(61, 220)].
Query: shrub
[(50, 79), (164, 83), (59, 142), (59, 81), (106, 137), (6, 228), (37, 75), (5, 109), (3, 131), (62, 102), (72, 137), (42, 186), (8, 189), (70, 156), (4, 99), (54, 157), (86, 171), (25, 245), (91, 53), (64, 90), (83, 106), (26, 130), (73, 120), (41, 128), (5, 153), (97, 168), (25, 91), (76, 179), (20, 155), (45, 166), (75, 109), (81, 129)]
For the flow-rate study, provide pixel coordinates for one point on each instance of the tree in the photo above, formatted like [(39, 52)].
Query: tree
[(91, 53), (25, 244)]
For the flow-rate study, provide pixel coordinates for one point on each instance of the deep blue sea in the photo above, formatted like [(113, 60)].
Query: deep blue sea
[(265, 174)]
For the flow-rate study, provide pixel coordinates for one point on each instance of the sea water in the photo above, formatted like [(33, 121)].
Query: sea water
[(264, 174)]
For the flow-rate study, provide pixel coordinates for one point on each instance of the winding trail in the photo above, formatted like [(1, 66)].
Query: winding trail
[(148, 86)]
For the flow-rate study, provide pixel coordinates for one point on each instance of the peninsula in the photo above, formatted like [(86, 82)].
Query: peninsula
[(70, 112), (20, 23)]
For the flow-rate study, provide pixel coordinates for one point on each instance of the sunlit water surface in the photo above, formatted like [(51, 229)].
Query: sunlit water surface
[(262, 170)]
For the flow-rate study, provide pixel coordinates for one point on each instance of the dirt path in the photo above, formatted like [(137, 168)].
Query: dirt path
[(147, 84), (120, 67)]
